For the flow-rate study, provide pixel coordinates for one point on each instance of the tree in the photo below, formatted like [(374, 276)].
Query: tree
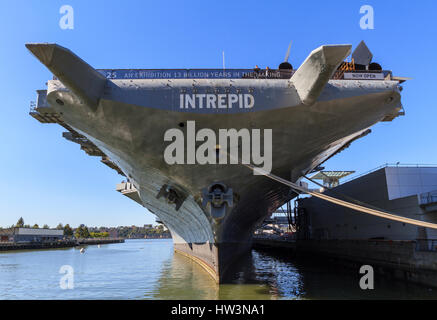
[(99, 234), (68, 232), (35, 226), (46, 226), (60, 226), (82, 232), (20, 223)]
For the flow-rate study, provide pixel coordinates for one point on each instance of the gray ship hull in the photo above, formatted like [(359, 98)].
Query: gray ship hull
[(132, 136), (130, 119)]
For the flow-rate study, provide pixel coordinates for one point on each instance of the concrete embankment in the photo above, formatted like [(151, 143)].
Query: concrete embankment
[(403, 260), (7, 246), (93, 241)]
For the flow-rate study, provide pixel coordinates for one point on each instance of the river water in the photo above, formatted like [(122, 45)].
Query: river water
[(148, 269)]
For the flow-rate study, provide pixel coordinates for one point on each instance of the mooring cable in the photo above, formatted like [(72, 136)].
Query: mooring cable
[(343, 203)]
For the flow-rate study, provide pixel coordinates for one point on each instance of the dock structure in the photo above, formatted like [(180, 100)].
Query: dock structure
[(94, 241), (407, 260), (404, 251), (12, 246), (30, 239), (66, 243), (404, 190)]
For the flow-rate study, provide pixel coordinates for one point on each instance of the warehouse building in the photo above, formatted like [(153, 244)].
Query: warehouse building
[(30, 234)]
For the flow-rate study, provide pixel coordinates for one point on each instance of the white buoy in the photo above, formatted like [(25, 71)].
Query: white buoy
[(82, 250), (98, 246)]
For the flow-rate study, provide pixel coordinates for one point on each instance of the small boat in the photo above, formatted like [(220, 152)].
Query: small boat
[(82, 250)]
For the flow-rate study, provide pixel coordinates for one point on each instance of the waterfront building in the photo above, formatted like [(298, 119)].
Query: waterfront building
[(409, 191), (34, 235), (6, 235), (113, 233)]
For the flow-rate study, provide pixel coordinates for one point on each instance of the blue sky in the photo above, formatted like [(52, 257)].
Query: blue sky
[(46, 179)]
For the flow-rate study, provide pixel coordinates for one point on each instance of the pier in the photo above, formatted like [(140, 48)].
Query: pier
[(332, 232), (8, 246), (410, 260), (93, 241)]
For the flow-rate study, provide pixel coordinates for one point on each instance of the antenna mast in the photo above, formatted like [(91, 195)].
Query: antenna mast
[(223, 60)]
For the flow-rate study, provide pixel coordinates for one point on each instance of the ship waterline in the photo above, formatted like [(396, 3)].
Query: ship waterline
[(212, 209)]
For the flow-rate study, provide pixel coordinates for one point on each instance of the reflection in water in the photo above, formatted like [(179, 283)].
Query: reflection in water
[(261, 275), (318, 279), (182, 278), (148, 269)]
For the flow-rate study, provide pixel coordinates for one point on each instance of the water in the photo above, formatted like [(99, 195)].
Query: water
[(148, 269)]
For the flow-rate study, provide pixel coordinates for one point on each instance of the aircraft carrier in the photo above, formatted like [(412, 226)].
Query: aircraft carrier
[(212, 207)]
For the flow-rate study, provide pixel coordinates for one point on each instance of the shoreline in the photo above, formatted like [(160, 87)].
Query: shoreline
[(16, 246)]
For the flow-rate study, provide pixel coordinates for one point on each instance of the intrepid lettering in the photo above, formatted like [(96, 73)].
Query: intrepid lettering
[(216, 101)]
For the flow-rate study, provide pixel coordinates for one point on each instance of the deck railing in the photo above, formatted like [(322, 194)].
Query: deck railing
[(162, 74), (385, 165)]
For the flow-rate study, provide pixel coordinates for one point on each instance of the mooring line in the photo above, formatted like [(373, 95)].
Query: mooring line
[(343, 203)]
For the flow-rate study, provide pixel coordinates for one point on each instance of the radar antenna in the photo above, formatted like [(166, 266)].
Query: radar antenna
[(286, 65)]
